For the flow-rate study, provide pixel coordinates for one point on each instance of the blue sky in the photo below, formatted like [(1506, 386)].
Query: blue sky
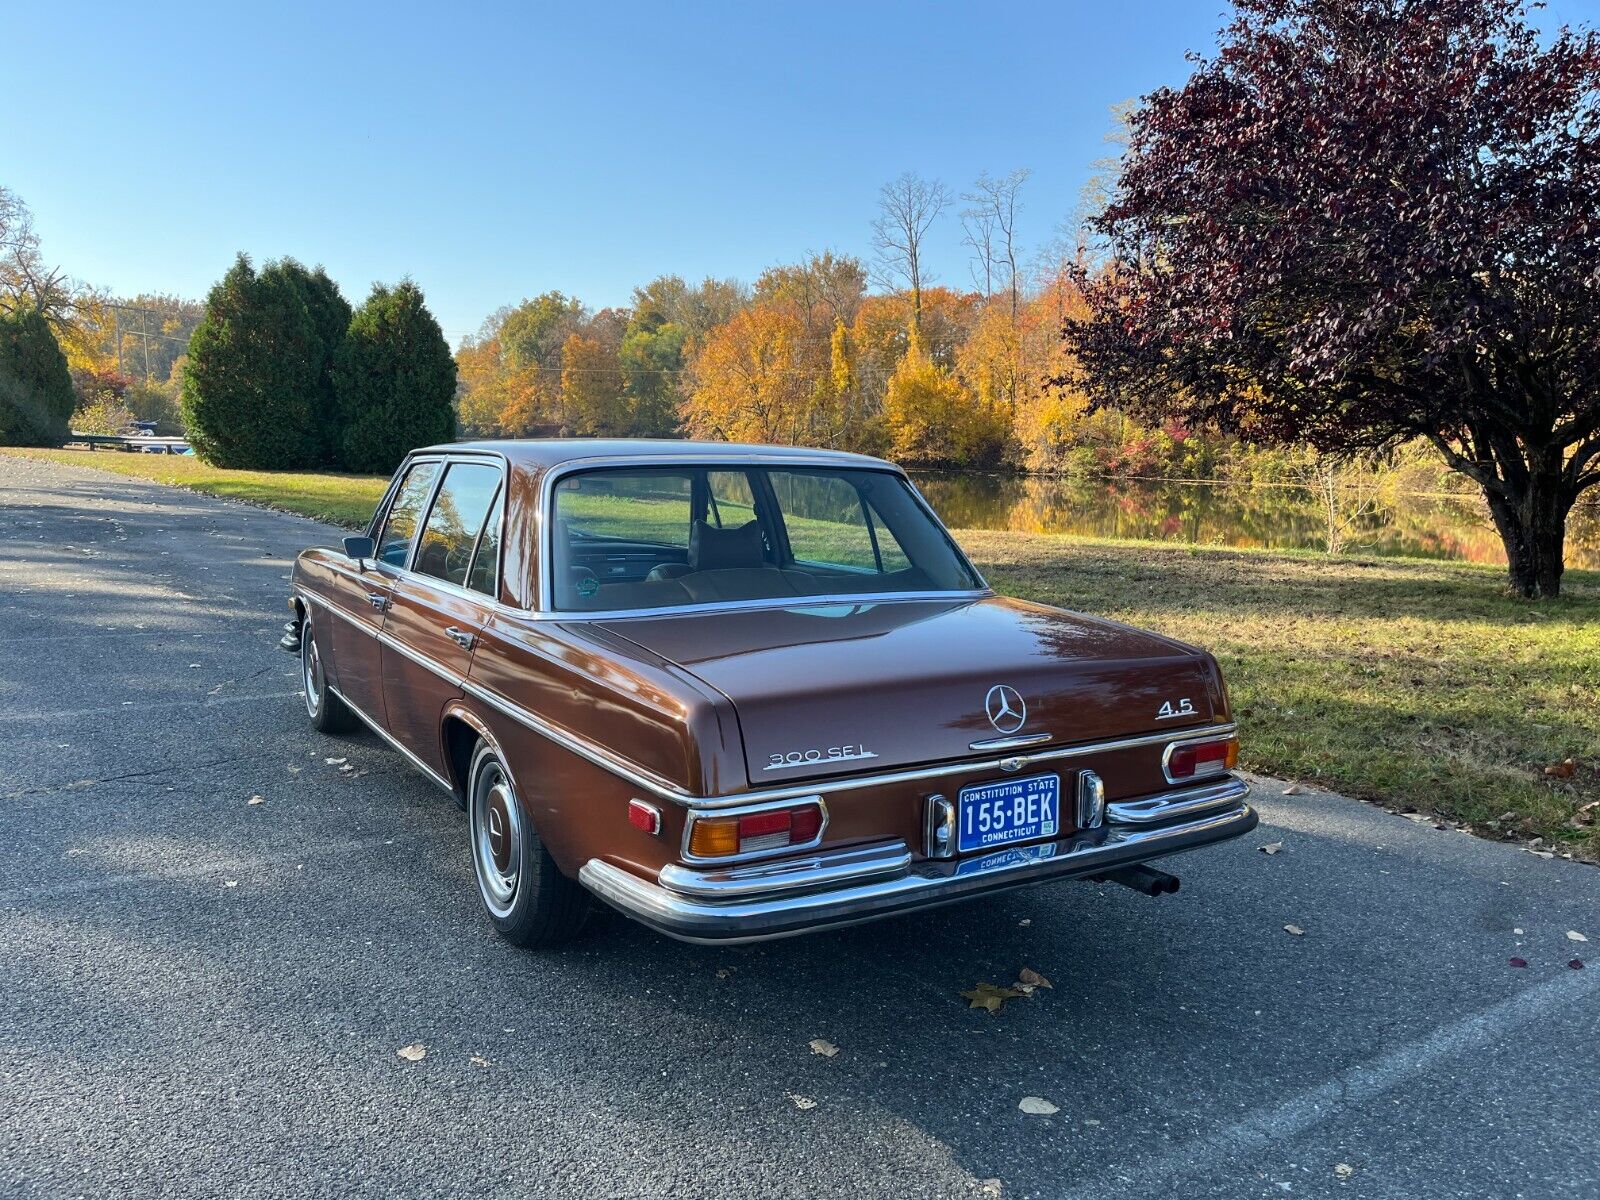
[(495, 151)]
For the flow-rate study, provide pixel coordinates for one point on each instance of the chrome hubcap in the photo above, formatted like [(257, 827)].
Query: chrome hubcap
[(496, 838), (311, 669)]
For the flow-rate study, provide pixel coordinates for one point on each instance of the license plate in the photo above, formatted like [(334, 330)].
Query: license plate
[(989, 815)]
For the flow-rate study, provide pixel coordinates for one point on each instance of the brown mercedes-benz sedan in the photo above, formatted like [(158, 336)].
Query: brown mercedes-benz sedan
[(741, 692)]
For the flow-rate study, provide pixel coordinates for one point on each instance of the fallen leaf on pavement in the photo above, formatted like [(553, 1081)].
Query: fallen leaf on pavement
[(823, 1047), (989, 1187), (1270, 847), (254, 800), (1294, 929), (1574, 936), (1037, 1106), (1344, 1170), (1539, 853), (230, 883), (1033, 979), (989, 997), (1517, 962), (1575, 963), (1294, 789), (415, 1052), (334, 762), (476, 1060), (803, 1103)]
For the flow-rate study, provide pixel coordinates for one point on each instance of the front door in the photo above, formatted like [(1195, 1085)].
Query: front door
[(438, 608), (362, 596)]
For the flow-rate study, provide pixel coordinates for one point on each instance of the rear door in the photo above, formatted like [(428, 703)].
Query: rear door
[(362, 596), (440, 604)]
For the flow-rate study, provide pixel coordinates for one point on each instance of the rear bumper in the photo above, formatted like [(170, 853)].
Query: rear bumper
[(863, 883)]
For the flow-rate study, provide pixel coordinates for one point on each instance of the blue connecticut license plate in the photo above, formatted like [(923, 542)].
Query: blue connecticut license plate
[(1013, 810)]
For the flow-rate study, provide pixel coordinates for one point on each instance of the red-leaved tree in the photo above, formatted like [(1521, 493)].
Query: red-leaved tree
[(1365, 221)]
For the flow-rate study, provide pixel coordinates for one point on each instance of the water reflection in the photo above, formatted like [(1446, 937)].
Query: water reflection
[(1430, 526)]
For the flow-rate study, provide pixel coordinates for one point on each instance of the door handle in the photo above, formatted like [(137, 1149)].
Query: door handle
[(378, 601), (460, 637)]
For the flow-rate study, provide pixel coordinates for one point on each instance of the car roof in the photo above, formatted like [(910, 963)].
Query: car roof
[(543, 453)]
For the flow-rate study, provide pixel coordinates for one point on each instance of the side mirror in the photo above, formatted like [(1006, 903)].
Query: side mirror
[(360, 549)]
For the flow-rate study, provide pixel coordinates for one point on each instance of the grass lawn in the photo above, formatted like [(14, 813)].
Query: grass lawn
[(1419, 684)]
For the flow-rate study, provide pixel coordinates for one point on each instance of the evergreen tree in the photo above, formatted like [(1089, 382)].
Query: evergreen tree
[(394, 378), (250, 384), (36, 398), (330, 318)]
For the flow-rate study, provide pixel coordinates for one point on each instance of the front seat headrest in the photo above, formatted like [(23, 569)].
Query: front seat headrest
[(713, 549)]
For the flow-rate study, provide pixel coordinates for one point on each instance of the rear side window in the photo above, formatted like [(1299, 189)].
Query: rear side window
[(459, 512), (830, 524), (486, 562), (400, 526)]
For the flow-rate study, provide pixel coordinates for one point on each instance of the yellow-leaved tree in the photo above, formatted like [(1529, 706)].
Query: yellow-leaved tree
[(748, 383), (932, 417)]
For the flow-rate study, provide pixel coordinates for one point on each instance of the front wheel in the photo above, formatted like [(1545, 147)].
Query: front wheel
[(328, 713), (527, 897)]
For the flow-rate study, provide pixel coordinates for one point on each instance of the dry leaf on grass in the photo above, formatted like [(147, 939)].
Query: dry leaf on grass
[(823, 1047), (989, 997), (1561, 770), (1037, 1106), (415, 1052), (1270, 847), (803, 1103), (1294, 929)]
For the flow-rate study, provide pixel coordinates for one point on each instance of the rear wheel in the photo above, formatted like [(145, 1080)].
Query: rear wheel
[(328, 713), (527, 897)]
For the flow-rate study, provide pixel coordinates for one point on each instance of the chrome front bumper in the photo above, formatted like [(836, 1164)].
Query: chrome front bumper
[(863, 883)]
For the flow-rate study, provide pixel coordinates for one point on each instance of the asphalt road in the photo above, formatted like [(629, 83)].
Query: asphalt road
[(200, 996)]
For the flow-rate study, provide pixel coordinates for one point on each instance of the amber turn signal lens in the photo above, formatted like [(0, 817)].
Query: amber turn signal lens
[(713, 837), (1193, 760)]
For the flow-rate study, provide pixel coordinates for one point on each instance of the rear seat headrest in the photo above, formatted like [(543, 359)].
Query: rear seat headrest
[(713, 549)]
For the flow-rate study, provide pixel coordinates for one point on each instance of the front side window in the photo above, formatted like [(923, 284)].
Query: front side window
[(400, 526), (665, 537), (459, 512)]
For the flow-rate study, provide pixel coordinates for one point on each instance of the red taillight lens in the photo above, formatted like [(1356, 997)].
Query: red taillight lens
[(1195, 760), (773, 829)]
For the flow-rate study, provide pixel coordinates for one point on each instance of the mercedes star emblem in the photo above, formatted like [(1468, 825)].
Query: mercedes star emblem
[(1007, 711)]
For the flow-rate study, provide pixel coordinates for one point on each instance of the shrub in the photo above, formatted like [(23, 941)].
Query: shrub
[(36, 396)]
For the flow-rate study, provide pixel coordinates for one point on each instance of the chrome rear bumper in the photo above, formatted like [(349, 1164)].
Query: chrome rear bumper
[(863, 883)]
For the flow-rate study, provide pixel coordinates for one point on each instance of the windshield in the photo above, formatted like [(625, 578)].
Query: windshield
[(665, 537)]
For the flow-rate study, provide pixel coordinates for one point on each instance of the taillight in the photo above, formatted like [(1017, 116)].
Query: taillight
[(712, 836), (1196, 760)]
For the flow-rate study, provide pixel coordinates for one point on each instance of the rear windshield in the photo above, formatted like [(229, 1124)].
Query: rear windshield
[(664, 537)]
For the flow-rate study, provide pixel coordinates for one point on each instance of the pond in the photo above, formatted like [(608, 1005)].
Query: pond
[(1274, 517)]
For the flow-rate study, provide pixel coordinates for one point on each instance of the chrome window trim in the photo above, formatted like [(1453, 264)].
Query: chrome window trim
[(553, 475), (726, 606), (749, 856)]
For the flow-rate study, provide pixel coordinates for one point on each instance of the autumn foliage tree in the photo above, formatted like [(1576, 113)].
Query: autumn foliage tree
[(1369, 221)]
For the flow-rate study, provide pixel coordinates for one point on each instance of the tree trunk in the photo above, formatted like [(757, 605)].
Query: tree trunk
[(1533, 527)]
